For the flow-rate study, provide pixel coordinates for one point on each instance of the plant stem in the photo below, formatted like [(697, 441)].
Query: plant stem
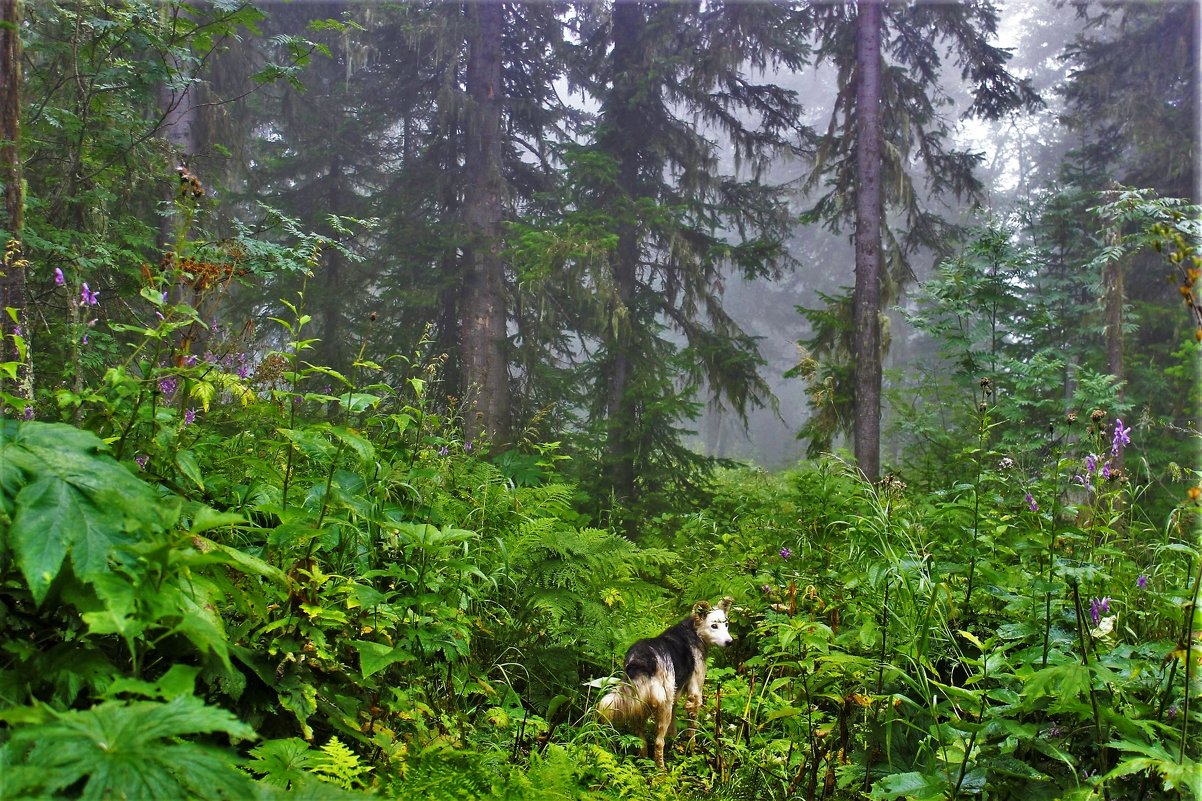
[(1099, 739)]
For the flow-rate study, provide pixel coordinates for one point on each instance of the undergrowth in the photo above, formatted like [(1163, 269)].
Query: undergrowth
[(243, 574)]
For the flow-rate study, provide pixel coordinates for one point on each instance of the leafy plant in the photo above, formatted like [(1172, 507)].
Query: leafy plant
[(125, 750)]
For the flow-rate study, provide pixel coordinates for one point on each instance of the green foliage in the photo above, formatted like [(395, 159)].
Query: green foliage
[(258, 564), (125, 750), (62, 496)]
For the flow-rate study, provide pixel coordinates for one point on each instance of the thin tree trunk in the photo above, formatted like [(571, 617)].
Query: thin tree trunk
[(333, 350), (486, 374), (867, 293), (1112, 299), (13, 267)]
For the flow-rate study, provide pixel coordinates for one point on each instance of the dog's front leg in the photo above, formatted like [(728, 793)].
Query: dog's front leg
[(692, 704)]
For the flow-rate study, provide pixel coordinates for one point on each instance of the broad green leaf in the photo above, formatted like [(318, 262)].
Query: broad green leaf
[(206, 518), (374, 656), (913, 785), (48, 518), (185, 460)]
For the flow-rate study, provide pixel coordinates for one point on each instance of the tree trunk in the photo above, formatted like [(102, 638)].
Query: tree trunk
[(333, 350), (867, 294), (13, 267), (621, 142), (179, 117), (483, 325), (1112, 300)]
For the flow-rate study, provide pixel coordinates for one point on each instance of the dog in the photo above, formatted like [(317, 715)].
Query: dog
[(658, 670)]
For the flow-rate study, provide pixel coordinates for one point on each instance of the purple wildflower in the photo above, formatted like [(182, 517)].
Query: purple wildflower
[(168, 386), (28, 414), (467, 446), (87, 297), (141, 460), (1142, 581), (1031, 503), (1106, 470), (59, 278), (189, 416), (190, 360), (243, 366), (444, 451), (1091, 463), (785, 553), (1121, 436), (1099, 607)]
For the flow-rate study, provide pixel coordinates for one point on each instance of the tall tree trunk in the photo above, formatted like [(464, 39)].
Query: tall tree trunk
[(331, 306), (867, 293), (178, 128), (486, 374), (13, 267), (1112, 301), (621, 142)]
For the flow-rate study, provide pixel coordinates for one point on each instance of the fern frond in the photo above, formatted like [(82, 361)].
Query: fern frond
[(340, 765)]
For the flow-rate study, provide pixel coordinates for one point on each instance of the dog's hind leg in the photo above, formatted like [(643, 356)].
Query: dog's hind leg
[(664, 714)]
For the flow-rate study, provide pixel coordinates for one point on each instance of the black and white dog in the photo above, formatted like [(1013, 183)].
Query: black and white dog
[(661, 669)]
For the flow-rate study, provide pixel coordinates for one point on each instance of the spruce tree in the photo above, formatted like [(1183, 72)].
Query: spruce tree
[(648, 224), (916, 39)]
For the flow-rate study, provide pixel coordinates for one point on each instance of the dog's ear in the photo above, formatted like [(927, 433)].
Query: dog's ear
[(701, 609), (725, 603)]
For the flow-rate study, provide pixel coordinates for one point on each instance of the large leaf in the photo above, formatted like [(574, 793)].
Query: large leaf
[(128, 750), (69, 499)]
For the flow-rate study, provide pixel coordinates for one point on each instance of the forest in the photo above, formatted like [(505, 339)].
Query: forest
[(374, 374)]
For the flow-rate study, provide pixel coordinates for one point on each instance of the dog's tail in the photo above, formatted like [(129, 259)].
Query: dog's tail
[(621, 705)]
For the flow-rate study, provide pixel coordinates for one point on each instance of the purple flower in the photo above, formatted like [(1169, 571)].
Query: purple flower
[(141, 460), (1142, 581), (1106, 470), (785, 553), (444, 451), (467, 446), (1121, 436), (1099, 607), (87, 297), (189, 416), (59, 278), (190, 360), (28, 414), (1091, 463), (1031, 503), (168, 386)]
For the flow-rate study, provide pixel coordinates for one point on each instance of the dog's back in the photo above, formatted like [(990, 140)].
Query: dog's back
[(659, 669)]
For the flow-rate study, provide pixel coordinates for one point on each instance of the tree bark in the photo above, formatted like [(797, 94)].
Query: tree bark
[(622, 142), (1112, 301), (13, 267), (867, 293), (484, 316)]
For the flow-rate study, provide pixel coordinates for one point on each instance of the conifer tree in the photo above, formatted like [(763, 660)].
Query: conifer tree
[(648, 222), (915, 41)]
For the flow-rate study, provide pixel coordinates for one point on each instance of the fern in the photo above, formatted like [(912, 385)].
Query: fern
[(339, 765), (125, 750)]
